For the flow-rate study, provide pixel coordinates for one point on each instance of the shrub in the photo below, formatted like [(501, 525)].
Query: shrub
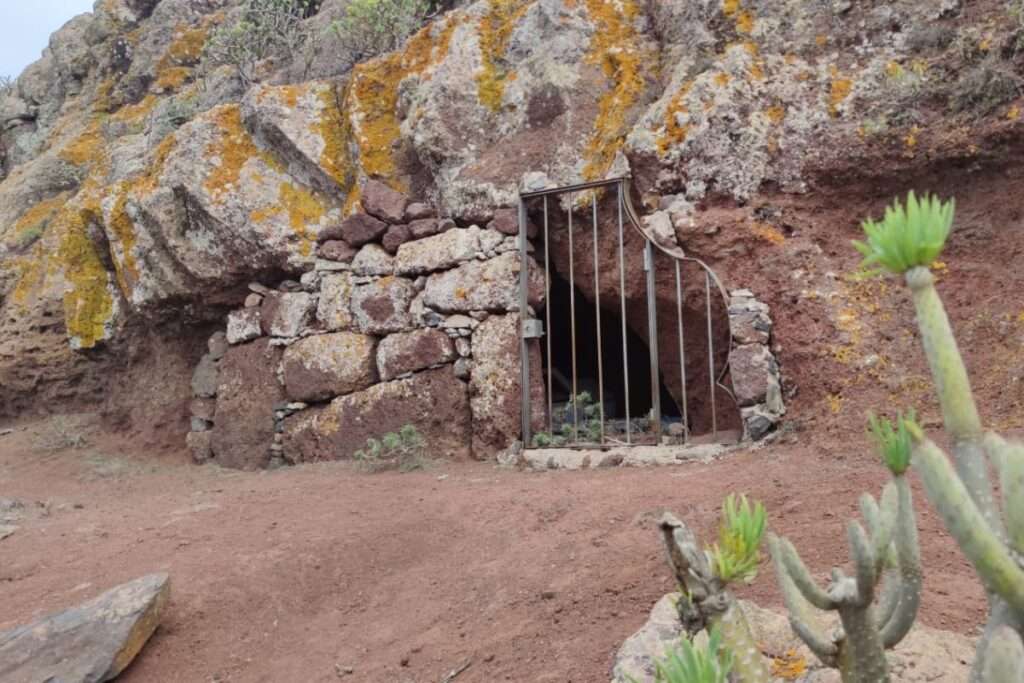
[(371, 27), (266, 28), (580, 422), (7, 85), (403, 450)]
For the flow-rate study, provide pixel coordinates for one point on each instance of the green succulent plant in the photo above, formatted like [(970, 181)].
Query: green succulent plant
[(908, 235), (688, 663), (893, 441), (736, 555)]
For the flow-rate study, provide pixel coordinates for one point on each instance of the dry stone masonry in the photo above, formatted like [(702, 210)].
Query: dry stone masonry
[(404, 319), (755, 371)]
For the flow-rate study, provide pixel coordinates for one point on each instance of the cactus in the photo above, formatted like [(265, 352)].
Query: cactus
[(886, 550), (905, 242), (703, 577)]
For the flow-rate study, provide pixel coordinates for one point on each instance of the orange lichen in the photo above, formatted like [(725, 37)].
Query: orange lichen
[(171, 79), (35, 219), (335, 130), (775, 113), (790, 666), (87, 147), (304, 208), (768, 233), (102, 104), (730, 7), (834, 403), (187, 47), (135, 113), (675, 132), (373, 95), (495, 30), (615, 47), (231, 149), (911, 138), (745, 22), (839, 90), (722, 79)]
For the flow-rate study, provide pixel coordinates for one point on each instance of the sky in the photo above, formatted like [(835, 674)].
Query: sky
[(25, 28)]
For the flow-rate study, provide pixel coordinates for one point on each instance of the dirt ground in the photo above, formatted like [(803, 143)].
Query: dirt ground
[(323, 573)]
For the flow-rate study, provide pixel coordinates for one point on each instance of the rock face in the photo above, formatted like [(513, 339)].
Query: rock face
[(926, 654), (91, 643), (434, 401)]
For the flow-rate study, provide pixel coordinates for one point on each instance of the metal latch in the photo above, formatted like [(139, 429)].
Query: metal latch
[(533, 328)]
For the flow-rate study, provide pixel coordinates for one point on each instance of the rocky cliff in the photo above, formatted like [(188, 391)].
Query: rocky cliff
[(142, 190)]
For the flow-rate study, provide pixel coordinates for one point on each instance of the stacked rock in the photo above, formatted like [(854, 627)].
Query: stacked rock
[(755, 371)]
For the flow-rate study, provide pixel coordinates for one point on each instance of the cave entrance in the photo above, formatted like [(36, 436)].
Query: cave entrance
[(630, 344)]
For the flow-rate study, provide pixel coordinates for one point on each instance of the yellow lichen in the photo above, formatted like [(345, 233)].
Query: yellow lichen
[(768, 233), (304, 208), (839, 90), (675, 132), (335, 130), (88, 304), (35, 219), (776, 113), (790, 666), (187, 47), (135, 113), (1013, 113), (615, 47), (834, 403), (911, 138), (745, 23), (373, 96), (495, 30), (722, 79), (730, 7), (231, 149), (102, 103), (87, 147), (171, 79)]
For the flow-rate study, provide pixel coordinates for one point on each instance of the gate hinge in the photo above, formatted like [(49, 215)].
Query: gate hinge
[(533, 328)]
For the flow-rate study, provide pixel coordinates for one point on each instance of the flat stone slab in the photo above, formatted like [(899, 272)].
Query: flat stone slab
[(625, 456), (926, 654), (90, 643)]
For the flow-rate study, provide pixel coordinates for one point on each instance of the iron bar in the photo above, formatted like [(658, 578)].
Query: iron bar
[(622, 300), (572, 330), (547, 314), (711, 355), (597, 310), (682, 350), (652, 330), (524, 349), (573, 188)]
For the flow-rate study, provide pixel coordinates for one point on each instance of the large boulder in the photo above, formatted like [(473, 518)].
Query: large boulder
[(327, 365), (246, 397), (91, 643), (434, 401), (496, 385)]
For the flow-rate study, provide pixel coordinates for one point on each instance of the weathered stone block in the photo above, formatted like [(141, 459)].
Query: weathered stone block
[(424, 227), (357, 230), (336, 250), (418, 210), (200, 446), (243, 325), (751, 366), (217, 345), (496, 385), (287, 314), (438, 252), (396, 236), (203, 408), (325, 365), (506, 221), (405, 352), (373, 260), (491, 285), (382, 306), (246, 397), (381, 201), (334, 308), (204, 377), (434, 401)]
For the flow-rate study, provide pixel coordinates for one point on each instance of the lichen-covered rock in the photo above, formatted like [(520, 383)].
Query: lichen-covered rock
[(496, 385), (336, 250), (405, 352), (383, 202), (438, 252), (334, 306), (243, 325), (358, 229), (372, 259), (89, 643), (326, 365), (434, 401), (382, 307), (482, 286), (287, 314), (246, 397)]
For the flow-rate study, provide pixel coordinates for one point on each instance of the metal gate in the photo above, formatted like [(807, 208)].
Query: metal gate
[(583, 423)]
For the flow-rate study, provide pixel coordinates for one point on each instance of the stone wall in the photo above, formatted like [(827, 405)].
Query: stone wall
[(755, 371), (405, 318)]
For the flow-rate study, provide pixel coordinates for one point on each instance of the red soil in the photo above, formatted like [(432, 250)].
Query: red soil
[(296, 574)]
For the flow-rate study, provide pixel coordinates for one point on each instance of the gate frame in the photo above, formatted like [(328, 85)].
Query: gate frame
[(532, 328)]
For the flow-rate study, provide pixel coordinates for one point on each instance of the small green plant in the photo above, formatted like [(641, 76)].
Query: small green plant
[(736, 555), (372, 27), (403, 450), (908, 236), (689, 663), (266, 28), (580, 422), (893, 442)]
